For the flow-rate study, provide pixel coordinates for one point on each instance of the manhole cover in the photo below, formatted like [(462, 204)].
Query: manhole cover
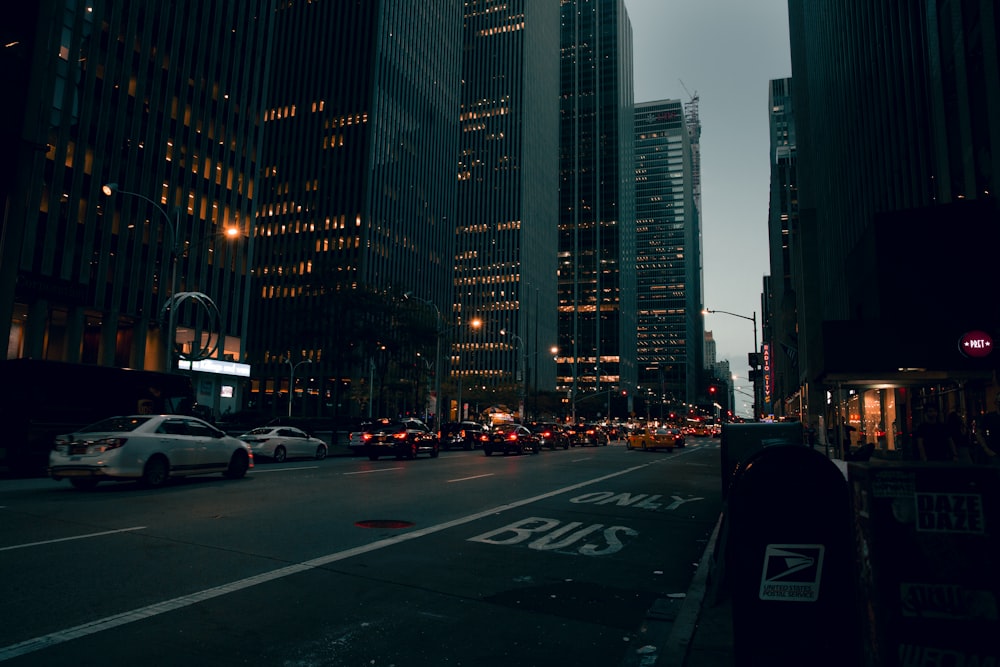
[(383, 523)]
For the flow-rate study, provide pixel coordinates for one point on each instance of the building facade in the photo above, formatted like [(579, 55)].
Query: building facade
[(898, 218), (357, 205), (597, 254), (506, 222), (670, 340), (780, 331), (161, 103)]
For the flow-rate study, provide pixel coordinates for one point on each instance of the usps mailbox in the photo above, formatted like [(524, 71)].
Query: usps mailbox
[(789, 561)]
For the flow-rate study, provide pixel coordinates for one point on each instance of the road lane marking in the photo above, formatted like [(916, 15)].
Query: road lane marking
[(67, 539), (368, 472), (116, 620), (256, 470), (465, 479)]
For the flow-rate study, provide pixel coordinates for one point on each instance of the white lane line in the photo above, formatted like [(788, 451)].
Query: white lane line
[(465, 479), (67, 539), (368, 472), (256, 471), (109, 622)]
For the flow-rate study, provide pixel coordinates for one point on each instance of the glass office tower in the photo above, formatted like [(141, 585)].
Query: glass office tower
[(506, 231), (357, 199), (597, 297), (668, 244)]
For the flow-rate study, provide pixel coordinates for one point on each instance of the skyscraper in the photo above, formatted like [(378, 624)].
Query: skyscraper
[(668, 251), (597, 294), (898, 164), (506, 223), (357, 199), (779, 328), (162, 100)]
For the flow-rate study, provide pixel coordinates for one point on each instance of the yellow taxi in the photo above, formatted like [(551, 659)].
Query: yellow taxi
[(655, 437)]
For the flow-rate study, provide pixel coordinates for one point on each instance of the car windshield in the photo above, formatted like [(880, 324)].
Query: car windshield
[(115, 425), (388, 428)]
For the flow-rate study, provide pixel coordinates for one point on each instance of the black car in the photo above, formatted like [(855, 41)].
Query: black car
[(582, 435), (550, 435), (510, 438), (464, 435), (402, 439)]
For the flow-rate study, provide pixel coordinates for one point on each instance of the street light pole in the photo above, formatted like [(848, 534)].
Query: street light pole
[(174, 227), (291, 379), (523, 384), (753, 319), (437, 353)]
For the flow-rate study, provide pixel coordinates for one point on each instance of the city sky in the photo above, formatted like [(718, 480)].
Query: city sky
[(725, 52)]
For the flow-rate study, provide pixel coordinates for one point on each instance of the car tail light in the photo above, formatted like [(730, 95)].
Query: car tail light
[(546, 434), (366, 436), (462, 433), (105, 445), (512, 436), (400, 436)]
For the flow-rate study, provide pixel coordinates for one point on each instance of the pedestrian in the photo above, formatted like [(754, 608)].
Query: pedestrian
[(933, 441), (987, 434), (959, 434)]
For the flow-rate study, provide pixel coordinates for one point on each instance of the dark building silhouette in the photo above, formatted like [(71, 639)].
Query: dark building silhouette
[(164, 100)]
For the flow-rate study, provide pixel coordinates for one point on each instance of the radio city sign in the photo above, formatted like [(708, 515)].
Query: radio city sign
[(975, 344)]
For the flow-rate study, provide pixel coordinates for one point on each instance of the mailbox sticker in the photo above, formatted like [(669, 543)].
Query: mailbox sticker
[(792, 572)]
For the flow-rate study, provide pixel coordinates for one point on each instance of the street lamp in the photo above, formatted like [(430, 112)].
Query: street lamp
[(523, 384), (437, 353), (174, 226), (753, 319), (291, 379), (176, 250)]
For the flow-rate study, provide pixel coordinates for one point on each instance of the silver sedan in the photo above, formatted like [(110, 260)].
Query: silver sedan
[(284, 442)]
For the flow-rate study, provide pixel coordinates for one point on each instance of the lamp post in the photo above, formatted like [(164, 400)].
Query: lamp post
[(174, 226), (753, 319), (291, 379), (523, 384), (437, 353)]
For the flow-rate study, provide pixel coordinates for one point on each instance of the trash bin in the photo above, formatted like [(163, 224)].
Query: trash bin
[(928, 553), (790, 561)]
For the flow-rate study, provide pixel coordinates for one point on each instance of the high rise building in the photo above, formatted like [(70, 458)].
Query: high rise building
[(597, 254), (898, 217), (357, 203), (162, 100), (779, 326), (671, 345), (506, 222)]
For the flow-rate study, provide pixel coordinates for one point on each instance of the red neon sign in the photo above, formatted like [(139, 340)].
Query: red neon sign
[(975, 344)]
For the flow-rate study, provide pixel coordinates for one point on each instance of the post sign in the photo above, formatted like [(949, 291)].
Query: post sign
[(975, 344)]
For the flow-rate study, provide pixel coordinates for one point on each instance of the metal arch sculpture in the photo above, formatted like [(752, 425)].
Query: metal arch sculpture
[(211, 345)]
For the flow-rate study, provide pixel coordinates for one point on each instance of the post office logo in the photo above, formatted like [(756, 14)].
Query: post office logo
[(792, 572)]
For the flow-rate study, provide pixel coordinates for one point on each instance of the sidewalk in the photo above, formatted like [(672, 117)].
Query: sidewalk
[(695, 631)]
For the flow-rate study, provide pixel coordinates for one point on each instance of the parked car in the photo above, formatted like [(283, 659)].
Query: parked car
[(510, 438), (550, 435), (588, 434), (656, 437), (147, 448), (464, 435), (283, 442), (402, 439)]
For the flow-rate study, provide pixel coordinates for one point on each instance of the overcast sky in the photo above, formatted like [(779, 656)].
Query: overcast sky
[(725, 52)]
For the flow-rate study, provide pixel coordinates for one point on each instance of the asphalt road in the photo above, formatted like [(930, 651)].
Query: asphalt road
[(560, 558)]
